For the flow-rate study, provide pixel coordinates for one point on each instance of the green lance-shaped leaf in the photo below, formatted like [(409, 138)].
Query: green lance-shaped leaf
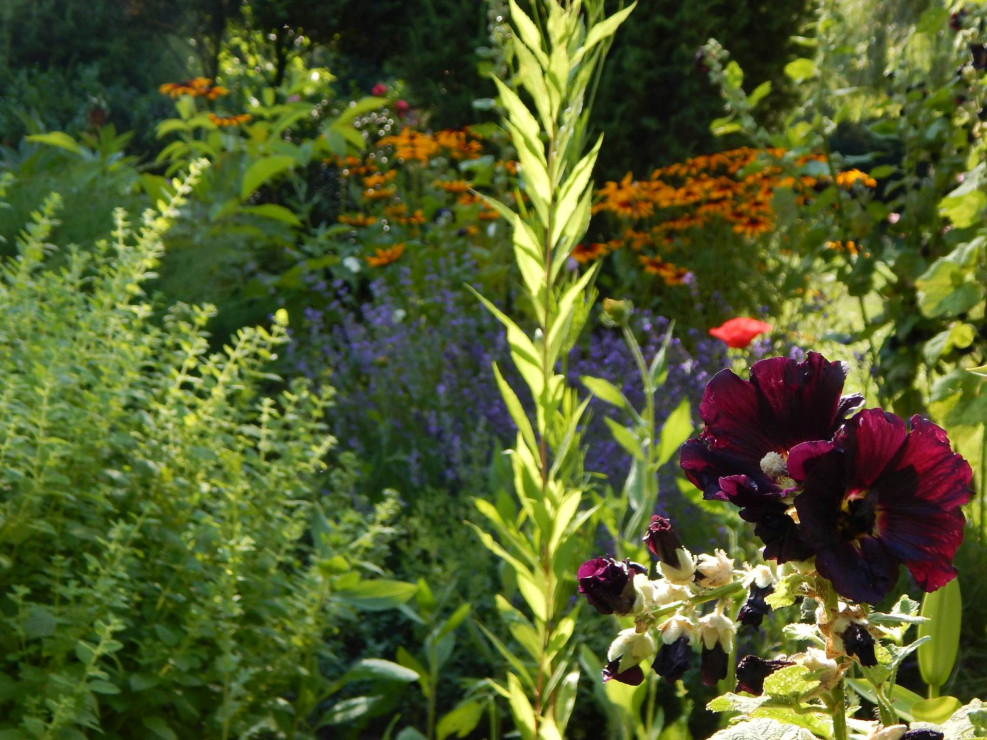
[(936, 657), (515, 409), (358, 108), (58, 139), (675, 431), (377, 595), (521, 709), (262, 171), (605, 391), (528, 33), (563, 316), (602, 31), (461, 720), (525, 123), (530, 77), (572, 190), (523, 351)]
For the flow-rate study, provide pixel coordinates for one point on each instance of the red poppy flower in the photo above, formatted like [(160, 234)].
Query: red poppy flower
[(739, 332), (878, 496)]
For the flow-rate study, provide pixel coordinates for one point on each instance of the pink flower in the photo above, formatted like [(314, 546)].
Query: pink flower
[(739, 332), (379, 89), (401, 107)]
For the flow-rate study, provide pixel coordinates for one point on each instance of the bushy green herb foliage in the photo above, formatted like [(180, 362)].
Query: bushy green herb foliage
[(171, 546)]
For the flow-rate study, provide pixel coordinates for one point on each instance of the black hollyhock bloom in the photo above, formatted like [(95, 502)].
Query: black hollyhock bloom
[(751, 672), (755, 608), (922, 735), (673, 659), (751, 426), (608, 584), (662, 541), (857, 641), (633, 676), (713, 664), (880, 495)]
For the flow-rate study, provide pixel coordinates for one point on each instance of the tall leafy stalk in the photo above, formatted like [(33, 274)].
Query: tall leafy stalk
[(556, 63)]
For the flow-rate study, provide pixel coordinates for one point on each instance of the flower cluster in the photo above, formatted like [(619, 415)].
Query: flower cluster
[(405, 179), (840, 500), (858, 496), (662, 216), (197, 87), (668, 621)]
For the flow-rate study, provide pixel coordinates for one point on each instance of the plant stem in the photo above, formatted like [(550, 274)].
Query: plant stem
[(839, 712)]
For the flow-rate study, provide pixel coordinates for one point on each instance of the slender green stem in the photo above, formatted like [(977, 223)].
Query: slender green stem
[(839, 712)]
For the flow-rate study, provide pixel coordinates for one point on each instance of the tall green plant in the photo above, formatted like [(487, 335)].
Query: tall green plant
[(557, 56), (168, 562)]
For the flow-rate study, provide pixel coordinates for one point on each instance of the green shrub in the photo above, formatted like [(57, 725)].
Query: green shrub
[(170, 541)]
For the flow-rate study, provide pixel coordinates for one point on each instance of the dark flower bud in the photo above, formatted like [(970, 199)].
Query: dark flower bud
[(673, 659), (713, 664), (755, 608), (978, 52), (700, 61), (608, 584), (662, 541), (956, 20), (751, 672), (633, 676), (922, 735), (857, 641)]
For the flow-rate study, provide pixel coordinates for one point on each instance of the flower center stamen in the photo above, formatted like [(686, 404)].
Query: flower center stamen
[(857, 516)]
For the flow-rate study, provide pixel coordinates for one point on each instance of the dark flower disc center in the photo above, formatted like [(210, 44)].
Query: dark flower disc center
[(857, 516)]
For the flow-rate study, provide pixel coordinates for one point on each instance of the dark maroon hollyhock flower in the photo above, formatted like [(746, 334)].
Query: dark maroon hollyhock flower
[(713, 664), (673, 659), (607, 584), (858, 642), (662, 541), (752, 613), (751, 672), (751, 426), (923, 735), (878, 496), (633, 676)]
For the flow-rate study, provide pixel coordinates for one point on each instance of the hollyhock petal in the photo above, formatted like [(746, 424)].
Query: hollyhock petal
[(633, 676), (858, 642), (731, 410), (874, 439), (751, 672), (865, 572), (673, 659), (925, 539), (818, 506), (803, 456), (945, 476), (769, 514), (801, 398), (713, 664), (704, 468)]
